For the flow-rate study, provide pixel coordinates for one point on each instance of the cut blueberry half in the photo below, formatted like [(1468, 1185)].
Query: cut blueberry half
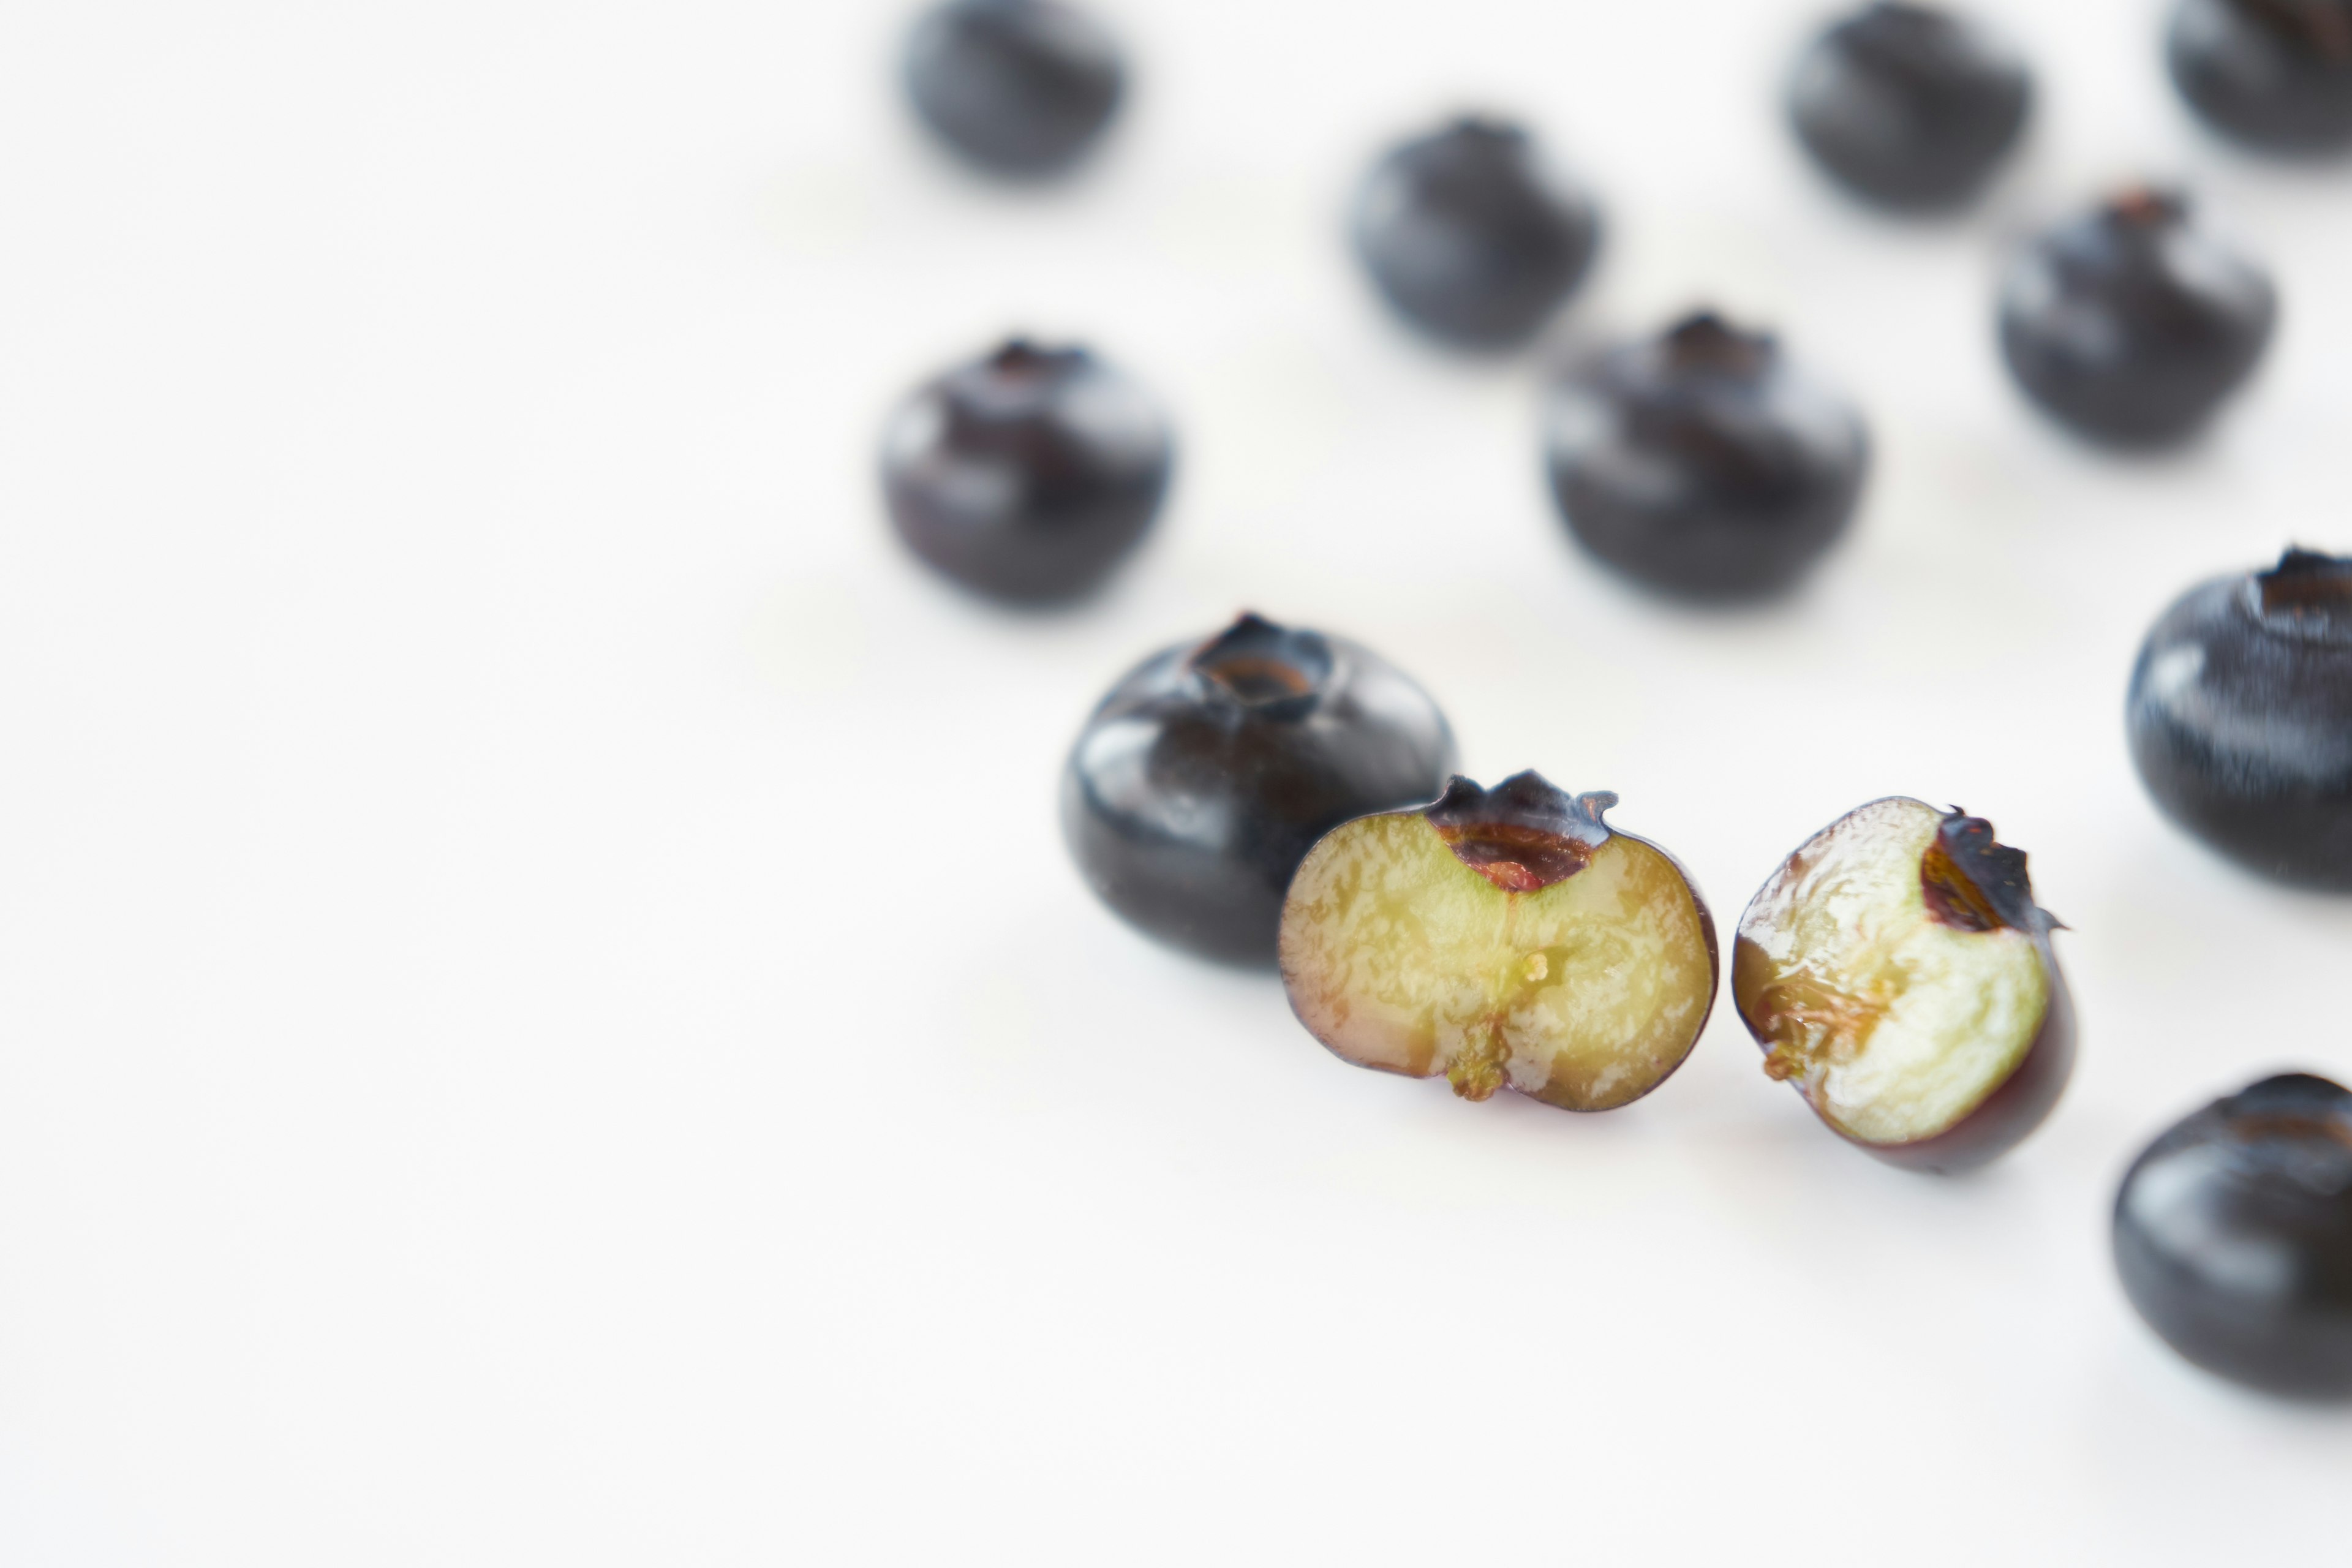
[(1897, 971), (1501, 939)]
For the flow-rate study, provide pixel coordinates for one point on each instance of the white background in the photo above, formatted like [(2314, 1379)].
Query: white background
[(543, 1016)]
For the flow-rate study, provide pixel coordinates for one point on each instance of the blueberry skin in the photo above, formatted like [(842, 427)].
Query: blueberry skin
[(1471, 236), (2274, 75), (1027, 475), (1702, 465), (2233, 1236), (1909, 106), (2131, 323), (1208, 773), (2240, 718), (1022, 89)]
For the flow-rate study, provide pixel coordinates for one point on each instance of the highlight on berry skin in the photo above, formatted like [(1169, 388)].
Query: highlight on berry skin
[(2233, 1237), (1210, 770), (1503, 939), (2240, 718), (1021, 90)]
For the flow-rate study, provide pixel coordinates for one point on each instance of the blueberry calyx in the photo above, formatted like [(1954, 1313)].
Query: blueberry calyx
[(1266, 669), (1975, 883), (1523, 834), (2146, 208), (2306, 595), (1704, 343), (2326, 30)]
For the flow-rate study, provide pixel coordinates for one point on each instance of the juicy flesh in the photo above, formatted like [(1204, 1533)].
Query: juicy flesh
[(1896, 1025), (1584, 994)]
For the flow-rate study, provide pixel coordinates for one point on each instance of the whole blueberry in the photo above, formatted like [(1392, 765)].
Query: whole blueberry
[(2240, 718), (2233, 1236), (2275, 75), (1909, 106), (1204, 778), (1471, 236), (2131, 323), (1702, 463), (1027, 475), (1021, 88)]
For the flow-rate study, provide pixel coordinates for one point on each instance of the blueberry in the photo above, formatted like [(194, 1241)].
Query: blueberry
[(1908, 106), (2275, 75), (2131, 323), (1204, 778), (2240, 718), (2233, 1235), (1471, 236), (1702, 463), (1021, 88), (1027, 475)]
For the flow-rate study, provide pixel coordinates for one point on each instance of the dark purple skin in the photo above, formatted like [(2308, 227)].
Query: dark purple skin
[(2233, 1236), (1204, 777), (1471, 236), (1020, 89), (1910, 108), (2240, 718), (1995, 890), (1028, 475), (2131, 324), (1702, 463), (2275, 76)]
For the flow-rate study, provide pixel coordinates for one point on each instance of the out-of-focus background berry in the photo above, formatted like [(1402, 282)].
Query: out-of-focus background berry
[(543, 1015)]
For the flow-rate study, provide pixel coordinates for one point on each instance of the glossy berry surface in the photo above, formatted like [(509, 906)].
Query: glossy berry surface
[(1472, 236), (1909, 106), (1027, 475), (1702, 463), (1898, 973), (2240, 718), (2275, 75), (2131, 323), (1021, 88), (1207, 773), (2233, 1236)]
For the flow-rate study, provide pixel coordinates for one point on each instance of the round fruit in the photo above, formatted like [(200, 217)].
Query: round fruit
[(1020, 88), (1207, 773), (2131, 324), (1897, 972), (2275, 75), (1506, 938), (2233, 1236), (1702, 464), (1028, 475), (2240, 718), (1908, 106), (1472, 236)]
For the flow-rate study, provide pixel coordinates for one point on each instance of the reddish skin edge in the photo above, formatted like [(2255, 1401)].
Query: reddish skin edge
[(1713, 986), (2001, 1120)]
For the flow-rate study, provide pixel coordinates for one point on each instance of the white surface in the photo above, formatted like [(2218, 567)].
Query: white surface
[(543, 1014)]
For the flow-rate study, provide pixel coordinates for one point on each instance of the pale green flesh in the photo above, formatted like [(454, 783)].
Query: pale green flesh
[(1584, 994), (1894, 1025)]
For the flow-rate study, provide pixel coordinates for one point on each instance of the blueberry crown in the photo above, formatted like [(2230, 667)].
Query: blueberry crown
[(1523, 834)]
